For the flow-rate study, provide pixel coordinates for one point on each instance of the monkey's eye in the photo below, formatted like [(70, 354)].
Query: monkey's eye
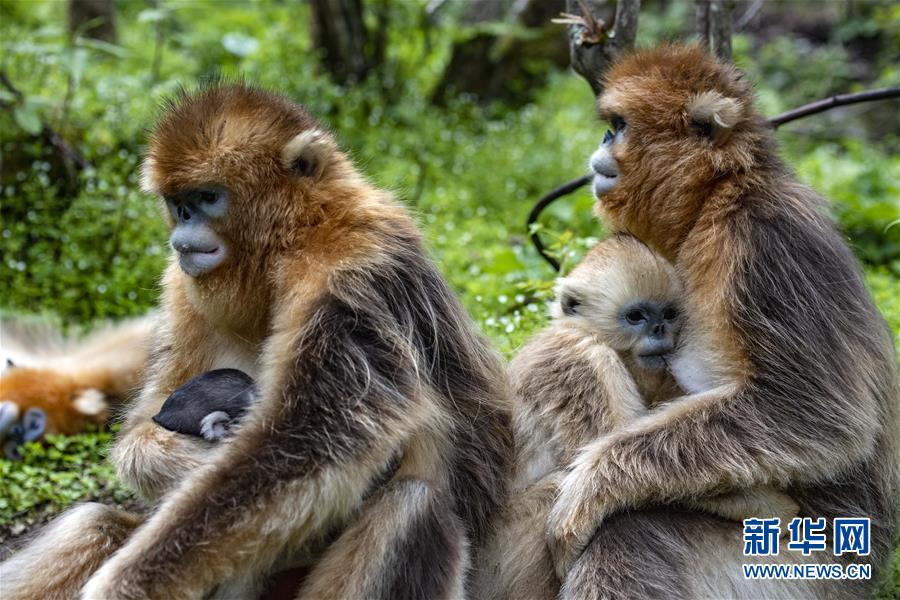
[(207, 196), (670, 314), (618, 123), (635, 316)]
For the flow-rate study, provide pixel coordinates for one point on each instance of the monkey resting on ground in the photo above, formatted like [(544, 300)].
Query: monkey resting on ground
[(54, 384), (790, 369), (596, 368), (289, 266)]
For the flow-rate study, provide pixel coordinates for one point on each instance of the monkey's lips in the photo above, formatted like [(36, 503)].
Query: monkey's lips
[(197, 261), (603, 184)]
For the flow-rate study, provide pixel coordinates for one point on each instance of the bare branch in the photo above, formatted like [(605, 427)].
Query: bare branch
[(592, 46), (749, 15), (833, 102), (72, 159)]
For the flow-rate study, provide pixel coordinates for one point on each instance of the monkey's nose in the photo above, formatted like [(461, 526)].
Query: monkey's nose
[(184, 213)]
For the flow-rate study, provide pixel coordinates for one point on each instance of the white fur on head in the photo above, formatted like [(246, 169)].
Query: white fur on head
[(308, 152), (90, 402), (719, 112)]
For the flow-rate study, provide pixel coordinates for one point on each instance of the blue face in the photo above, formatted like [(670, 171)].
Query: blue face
[(200, 249), (602, 162), (655, 326), (15, 432)]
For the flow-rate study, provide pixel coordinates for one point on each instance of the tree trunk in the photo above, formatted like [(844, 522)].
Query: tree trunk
[(505, 65), (592, 46), (340, 34), (714, 26)]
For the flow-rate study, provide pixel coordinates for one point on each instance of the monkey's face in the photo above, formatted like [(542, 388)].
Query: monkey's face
[(240, 172), (195, 213), (654, 328), (628, 297), (679, 121)]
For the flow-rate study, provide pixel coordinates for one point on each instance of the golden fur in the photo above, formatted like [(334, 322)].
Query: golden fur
[(360, 352), (75, 381), (791, 369)]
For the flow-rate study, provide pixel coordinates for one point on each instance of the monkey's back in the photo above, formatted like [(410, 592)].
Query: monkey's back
[(821, 352), (463, 372)]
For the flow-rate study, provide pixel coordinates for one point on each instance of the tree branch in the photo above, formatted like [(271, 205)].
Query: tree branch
[(72, 159), (832, 102), (592, 46)]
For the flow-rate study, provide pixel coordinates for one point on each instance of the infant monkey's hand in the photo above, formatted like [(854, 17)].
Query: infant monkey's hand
[(209, 405)]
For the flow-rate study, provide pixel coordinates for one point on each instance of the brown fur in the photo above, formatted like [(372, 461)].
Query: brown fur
[(66, 553), (797, 386), (359, 349)]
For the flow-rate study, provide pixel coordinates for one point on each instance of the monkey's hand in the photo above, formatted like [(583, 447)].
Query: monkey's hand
[(584, 500), (151, 460)]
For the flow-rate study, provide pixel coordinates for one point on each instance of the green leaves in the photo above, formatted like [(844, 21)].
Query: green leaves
[(55, 474), (28, 118)]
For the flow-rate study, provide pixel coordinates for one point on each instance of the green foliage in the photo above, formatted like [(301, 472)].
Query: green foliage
[(53, 475), (92, 246)]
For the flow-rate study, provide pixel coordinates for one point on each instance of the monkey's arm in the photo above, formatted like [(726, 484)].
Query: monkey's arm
[(763, 502), (698, 445), (338, 399), (66, 552), (148, 458), (569, 389)]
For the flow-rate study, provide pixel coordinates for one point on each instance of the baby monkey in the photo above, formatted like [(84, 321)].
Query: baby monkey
[(210, 405), (599, 365)]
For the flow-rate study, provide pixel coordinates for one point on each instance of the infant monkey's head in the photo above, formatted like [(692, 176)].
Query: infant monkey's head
[(209, 405), (628, 296)]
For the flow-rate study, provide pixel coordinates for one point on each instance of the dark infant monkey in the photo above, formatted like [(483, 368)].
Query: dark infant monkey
[(209, 406)]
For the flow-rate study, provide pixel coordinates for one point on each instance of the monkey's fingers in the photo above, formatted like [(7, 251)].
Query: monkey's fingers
[(568, 537)]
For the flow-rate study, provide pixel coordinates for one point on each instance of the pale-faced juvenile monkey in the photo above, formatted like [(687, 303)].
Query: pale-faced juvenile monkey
[(791, 369), (599, 365), (291, 267)]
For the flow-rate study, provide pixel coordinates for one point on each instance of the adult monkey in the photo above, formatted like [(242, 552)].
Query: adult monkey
[(795, 386), (294, 269)]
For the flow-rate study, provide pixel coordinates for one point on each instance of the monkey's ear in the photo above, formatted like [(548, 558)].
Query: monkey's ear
[(307, 153), (713, 115), (570, 303)]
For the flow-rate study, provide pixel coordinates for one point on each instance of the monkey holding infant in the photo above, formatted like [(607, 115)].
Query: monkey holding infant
[(376, 444)]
